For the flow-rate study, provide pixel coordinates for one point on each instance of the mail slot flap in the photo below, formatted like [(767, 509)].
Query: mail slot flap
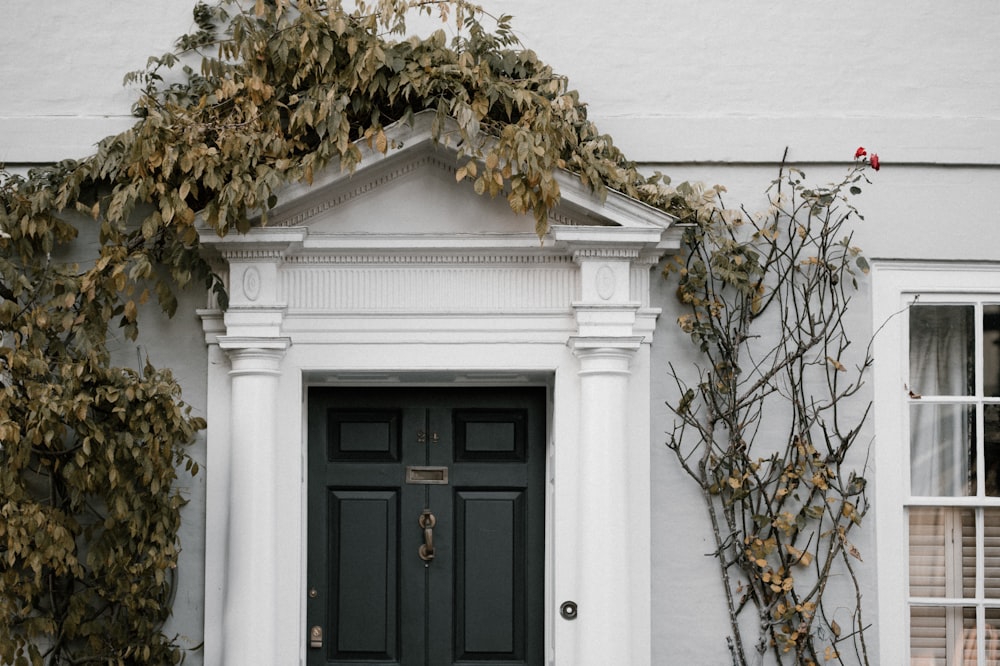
[(427, 475)]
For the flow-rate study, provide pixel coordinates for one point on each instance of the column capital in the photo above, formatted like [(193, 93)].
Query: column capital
[(605, 356), (254, 356)]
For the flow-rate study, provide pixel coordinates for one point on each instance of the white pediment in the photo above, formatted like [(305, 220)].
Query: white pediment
[(400, 236), (411, 192)]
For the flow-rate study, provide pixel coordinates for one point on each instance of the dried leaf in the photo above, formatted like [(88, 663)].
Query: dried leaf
[(802, 558)]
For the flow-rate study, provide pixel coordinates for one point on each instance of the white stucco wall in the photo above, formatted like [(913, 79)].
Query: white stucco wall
[(710, 90), (689, 87), (673, 80)]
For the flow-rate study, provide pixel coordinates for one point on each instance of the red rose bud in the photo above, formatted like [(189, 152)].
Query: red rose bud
[(860, 152), (874, 161)]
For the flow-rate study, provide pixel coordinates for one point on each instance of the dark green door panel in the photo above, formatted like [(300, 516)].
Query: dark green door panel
[(479, 600), (490, 575), (364, 580)]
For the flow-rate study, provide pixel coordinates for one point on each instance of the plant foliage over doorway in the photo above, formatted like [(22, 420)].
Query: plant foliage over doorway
[(256, 98)]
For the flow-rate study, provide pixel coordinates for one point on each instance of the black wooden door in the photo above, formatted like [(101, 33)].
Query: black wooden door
[(426, 526)]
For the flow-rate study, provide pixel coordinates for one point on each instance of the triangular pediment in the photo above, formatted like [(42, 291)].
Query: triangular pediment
[(412, 190), (401, 236)]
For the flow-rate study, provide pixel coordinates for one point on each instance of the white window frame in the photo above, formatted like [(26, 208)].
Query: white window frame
[(895, 285)]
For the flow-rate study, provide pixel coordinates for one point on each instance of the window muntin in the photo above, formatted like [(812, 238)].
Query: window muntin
[(953, 516)]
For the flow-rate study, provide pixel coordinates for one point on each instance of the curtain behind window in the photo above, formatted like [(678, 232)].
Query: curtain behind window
[(943, 549), (941, 437)]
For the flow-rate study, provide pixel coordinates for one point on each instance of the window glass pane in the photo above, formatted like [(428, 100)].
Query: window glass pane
[(991, 554), (991, 350), (942, 350), (970, 643), (968, 541), (943, 636), (942, 552), (993, 635), (942, 442), (991, 448), (928, 639)]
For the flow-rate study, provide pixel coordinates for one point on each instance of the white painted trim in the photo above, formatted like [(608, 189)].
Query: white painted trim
[(396, 308), (894, 286), (472, 362)]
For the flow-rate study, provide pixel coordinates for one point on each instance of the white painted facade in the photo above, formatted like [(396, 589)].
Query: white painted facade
[(710, 91)]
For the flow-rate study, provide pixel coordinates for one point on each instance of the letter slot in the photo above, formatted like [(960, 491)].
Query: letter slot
[(427, 475)]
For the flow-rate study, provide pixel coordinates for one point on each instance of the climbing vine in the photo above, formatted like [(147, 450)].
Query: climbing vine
[(259, 96), (768, 427), (255, 98)]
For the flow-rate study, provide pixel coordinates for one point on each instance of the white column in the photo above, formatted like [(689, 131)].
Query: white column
[(604, 634), (250, 586)]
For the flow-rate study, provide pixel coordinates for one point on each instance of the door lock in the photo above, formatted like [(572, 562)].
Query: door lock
[(316, 636)]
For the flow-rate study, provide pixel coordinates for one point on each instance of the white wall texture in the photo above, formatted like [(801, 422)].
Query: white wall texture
[(674, 81), (711, 90), (692, 87)]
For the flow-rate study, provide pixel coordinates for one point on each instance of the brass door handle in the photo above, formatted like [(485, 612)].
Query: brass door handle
[(427, 522)]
